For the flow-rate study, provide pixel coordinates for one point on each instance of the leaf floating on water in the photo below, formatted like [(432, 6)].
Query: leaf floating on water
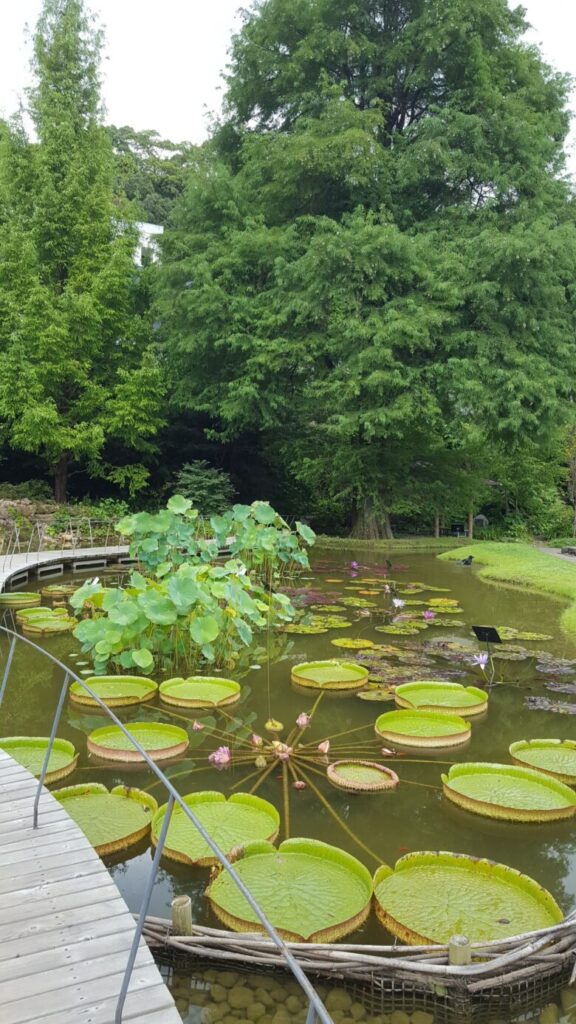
[(545, 704)]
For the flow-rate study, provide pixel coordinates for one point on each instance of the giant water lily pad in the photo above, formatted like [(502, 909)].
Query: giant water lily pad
[(40, 611), (310, 891), (49, 623), (553, 757), (54, 590), (200, 692), (330, 675), (429, 897), (115, 691), (231, 822), (160, 741), (508, 792), (30, 751), (358, 776), (423, 728), (111, 820), (446, 698), (352, 643), (19, 599)]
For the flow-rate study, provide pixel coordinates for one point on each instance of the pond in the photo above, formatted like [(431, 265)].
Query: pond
[(376, 828)]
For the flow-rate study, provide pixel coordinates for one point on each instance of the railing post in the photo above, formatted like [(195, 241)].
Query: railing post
[(55, 725), (143, 911), (7, 668)]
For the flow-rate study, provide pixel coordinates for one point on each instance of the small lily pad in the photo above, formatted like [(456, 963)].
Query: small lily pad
[(300, 630), (428, 897), (508, 792), (30, 752), (330, 675), (358, 776), (115, 691), (422, 728), (510, 633), (310, 891), (397, 630), (111, 820), (231, 822), (160, 741), (553, 757), (352, 643), (200, 692), (443, 697)]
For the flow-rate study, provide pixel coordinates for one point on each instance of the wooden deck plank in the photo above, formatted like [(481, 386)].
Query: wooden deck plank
[(65, 931)]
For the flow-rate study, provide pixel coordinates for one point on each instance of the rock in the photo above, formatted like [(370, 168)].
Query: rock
[(211, 1014), (568, 998), (420, 1017), (338, 999), (240, 997), (230, 978), (567, 551), (357, 1011), (279, 994), (263, 996), (550, 1014), (255, 1011), (293, 1004), (399, 1017)]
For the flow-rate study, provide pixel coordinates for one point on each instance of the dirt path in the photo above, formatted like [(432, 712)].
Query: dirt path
[(557, 552)]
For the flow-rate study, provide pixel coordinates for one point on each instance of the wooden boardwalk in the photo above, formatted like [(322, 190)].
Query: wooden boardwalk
[(65, 931), (31, 561)]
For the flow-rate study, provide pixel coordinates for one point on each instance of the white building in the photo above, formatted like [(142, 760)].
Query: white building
[(147, 248)]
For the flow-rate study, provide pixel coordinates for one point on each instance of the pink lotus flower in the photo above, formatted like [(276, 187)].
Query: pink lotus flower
[(303, 720), (197, 726), (324, 747), (220, 758), (256, 740), (428, 614), (298, 784)]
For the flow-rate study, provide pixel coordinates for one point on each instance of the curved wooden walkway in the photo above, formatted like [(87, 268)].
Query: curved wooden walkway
[(32, 561), (65, 930)]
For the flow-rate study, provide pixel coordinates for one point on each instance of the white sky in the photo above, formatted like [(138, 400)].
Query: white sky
[(164, 58)]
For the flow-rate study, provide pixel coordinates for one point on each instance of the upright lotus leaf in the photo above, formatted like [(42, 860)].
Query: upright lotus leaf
[(19, 599), (508, 792), (553, 757), (330, 675), (232, 822), (30, 751), (429, 897), (160, 741), (358, 776), (422, 729), (115, 691), (200, 692), (111, 820), (310, 891), (443, 697)]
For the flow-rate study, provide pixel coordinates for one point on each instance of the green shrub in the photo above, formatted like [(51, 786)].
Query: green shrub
[(35, 490), (210, 490)]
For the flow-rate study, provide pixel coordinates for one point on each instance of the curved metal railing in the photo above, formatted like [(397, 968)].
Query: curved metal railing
[(80, 532), (316, 1010)]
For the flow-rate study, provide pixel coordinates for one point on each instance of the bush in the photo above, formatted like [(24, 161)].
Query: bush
[(211, 490), (35, 490)]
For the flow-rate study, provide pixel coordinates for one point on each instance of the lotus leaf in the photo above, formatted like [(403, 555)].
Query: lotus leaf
[(352, 643), (509, 633), (111, 820), (200, 692), (397, 630), (160, 741), (423, 728), (115, 691), (330, 675), (435, 695), (300, 630), (361, 776), (508, 792), (232, 822), (310, 891), (429, 897), (19, 599), (553, 757), (30, 751)]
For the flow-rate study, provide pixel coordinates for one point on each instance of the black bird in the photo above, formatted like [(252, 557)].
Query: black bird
[(467, 561)]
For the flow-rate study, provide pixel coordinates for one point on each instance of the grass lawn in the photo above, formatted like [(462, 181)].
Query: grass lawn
[(402, 544), (523, 565)]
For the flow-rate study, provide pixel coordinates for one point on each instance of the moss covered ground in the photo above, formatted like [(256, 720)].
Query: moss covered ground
[(524, 565)]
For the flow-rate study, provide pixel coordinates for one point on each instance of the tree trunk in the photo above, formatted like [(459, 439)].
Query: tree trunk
[(370, 522), (471, 523), (60, 470), (436, 525)]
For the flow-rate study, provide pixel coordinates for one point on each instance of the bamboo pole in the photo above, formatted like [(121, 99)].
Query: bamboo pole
[(182, 915)]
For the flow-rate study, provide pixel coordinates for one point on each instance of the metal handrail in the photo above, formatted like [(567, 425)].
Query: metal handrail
[(316, 1008)]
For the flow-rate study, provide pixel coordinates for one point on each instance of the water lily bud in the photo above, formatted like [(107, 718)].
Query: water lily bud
[(260, 762), (324, 747), (273, 725), (303, 720), (298, 784), (256, 740), (197, 726)]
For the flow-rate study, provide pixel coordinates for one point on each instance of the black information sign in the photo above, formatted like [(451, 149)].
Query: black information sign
[(486, 634)]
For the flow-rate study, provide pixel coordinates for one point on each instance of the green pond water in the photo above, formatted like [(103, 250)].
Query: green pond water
[(413, 817)]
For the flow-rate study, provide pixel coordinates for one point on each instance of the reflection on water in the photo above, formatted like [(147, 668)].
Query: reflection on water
[(414, 816)]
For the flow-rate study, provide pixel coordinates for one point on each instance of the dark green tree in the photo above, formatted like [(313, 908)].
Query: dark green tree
[(76, 367), (149, 171)]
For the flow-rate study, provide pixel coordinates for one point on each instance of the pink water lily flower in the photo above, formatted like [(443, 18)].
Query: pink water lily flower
[(481, 660), (324, 747), (283, 751), (298, 784), (221, 757), (354, 565), (256, 740), (428, 614), (197, 726), (303, 720)]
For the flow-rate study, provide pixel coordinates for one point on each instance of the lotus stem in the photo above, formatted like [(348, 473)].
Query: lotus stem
[(345, 732), (337, 817), (286, 796)]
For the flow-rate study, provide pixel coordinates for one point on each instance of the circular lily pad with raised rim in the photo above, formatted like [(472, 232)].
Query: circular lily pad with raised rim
[(330, 675), (40, 611), (310, 891), (30, 752), (160, 741), (200, 692), (508, 792), (361, 776), (19, 599), (428, 897), (110, 820), (553, 757), (423, 728), (50, 623), (231, 822), (53, 590), (115, 691), (443, 697)]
